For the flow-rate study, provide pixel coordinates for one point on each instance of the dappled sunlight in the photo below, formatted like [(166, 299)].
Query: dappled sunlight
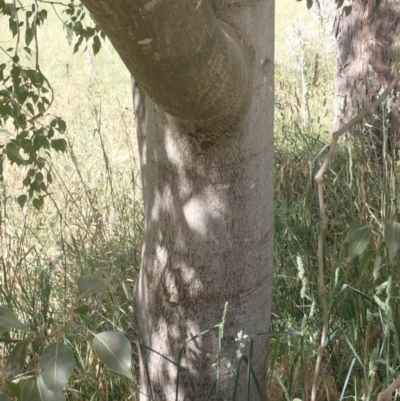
[(206, 236), (197, 211)]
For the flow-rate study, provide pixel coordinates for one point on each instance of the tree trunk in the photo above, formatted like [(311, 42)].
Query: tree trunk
[(203, 98), (368, 59)]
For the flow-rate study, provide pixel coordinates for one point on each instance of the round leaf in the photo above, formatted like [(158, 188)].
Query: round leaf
[(60, 145), (13, 154), (8, 320), (358, 236), (92, 284), (16, 360), (55, 366), (114, 350), (22, 199), (36, 390), (392, 237)]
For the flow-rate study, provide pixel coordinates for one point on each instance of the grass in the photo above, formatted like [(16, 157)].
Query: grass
[(93, 218), (93, 221)]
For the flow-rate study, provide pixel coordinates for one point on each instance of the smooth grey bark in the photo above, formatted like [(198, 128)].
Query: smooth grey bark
[(190, 64), (203, 98), (368, 59)]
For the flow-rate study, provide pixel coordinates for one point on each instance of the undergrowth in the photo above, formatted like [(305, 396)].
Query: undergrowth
[(361, 190), (92, 222)]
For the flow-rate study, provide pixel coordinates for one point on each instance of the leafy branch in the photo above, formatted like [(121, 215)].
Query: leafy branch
[(29, 132), (56, 363)]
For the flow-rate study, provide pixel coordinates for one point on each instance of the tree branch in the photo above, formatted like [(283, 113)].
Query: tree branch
[(190, 64), (358, 118), (387, 394)]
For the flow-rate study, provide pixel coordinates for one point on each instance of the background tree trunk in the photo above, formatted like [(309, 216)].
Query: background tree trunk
[(368, 59), (207, 185)]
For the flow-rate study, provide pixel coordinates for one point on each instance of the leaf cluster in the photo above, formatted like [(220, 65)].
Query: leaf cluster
[(77, 27), (55, 366), (28, 131), (359, 236)]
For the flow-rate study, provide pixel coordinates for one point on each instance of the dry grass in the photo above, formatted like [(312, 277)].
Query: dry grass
[(92, 219)]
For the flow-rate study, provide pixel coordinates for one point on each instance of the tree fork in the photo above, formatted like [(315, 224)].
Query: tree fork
[(197, 72)]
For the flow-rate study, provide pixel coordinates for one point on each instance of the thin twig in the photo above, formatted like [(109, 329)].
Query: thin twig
[(387, 394), (319, 178), (358, 118), (321, 290), (53, 3)]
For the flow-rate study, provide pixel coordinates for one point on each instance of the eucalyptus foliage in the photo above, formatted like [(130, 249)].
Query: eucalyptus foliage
[(56, 362), (28, 129)]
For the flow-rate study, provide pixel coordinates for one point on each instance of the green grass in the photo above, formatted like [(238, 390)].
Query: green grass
[(92, 220)]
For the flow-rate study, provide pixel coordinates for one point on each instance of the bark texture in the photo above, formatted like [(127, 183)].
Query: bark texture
[(368, 59), (205, 133), (188, 63)]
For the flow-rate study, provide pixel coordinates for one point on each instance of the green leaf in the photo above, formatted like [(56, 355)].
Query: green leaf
[(77, 44), (39, 177), (8, 320), (13, 154), (92, 284), (38, 202), (4, 398), (366, 259), (40, 162), (26, 144), (358, 237), (3, 329), (392, 237), (30, 391), (36, 390), (82, 310), (15, 388), (115, 351), (62, 126), (309, 3), (30, 108), (42, 14), (56, 365), (355, 225), (6, 110), (347, 10), (60, 145), (96, 44), (22, 94), (78, 28), (16, 359), (22, 199), (29, 33)]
